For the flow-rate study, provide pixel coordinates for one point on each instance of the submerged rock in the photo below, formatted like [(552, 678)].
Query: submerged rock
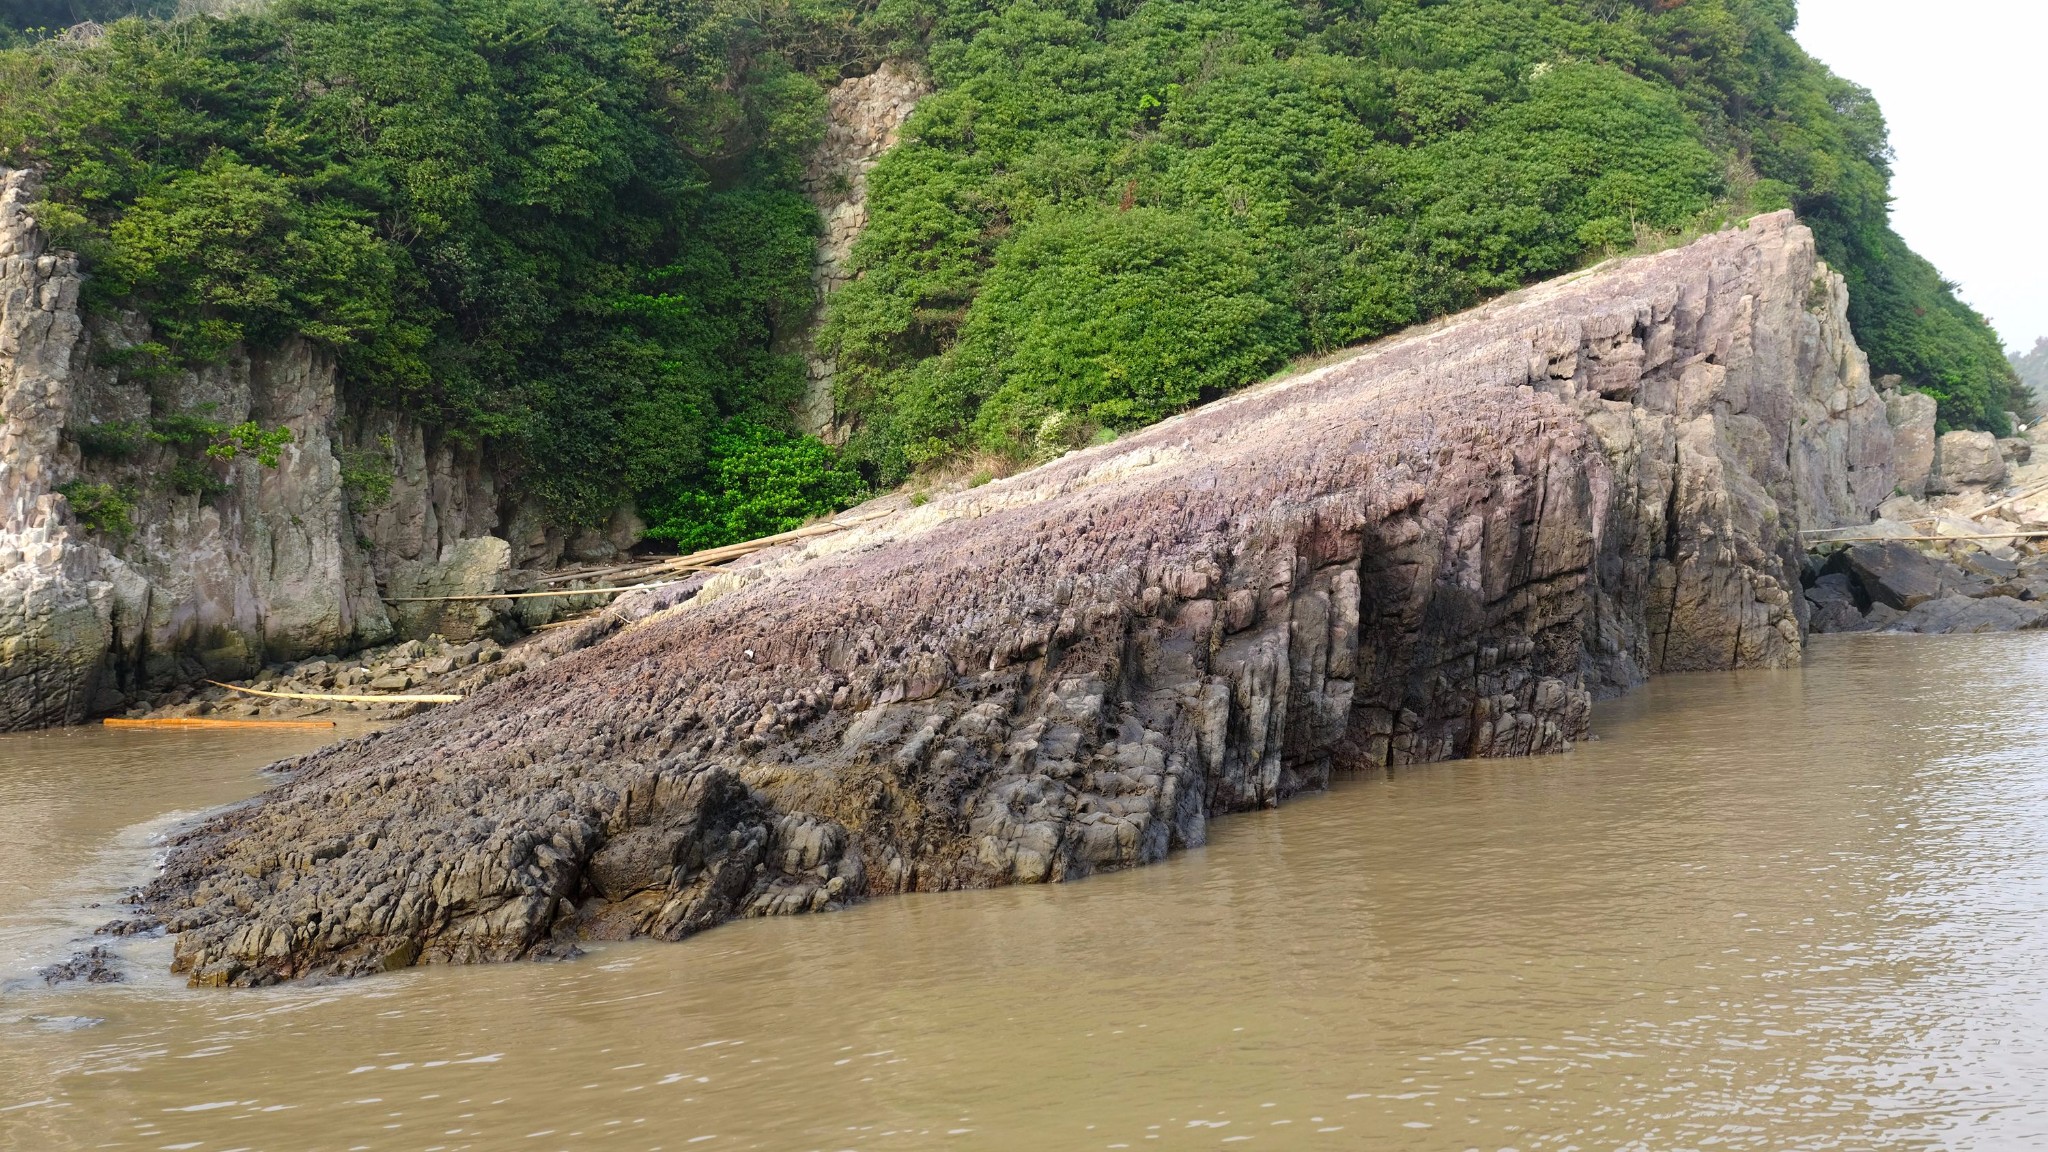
[(1442, 547), (1833, 605), (94, 965)]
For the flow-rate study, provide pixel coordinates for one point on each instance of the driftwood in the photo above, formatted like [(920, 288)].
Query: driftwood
[(559, 593), (2014, 535), (207, 722), (430, 698)]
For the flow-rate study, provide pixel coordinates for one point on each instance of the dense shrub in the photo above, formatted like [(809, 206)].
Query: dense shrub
[(572, 230), (760, 482), (492, 211), (1314, 174), (101, 508)]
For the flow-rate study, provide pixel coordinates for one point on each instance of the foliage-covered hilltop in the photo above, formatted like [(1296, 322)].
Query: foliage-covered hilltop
[(572, 228), (2032, 367)]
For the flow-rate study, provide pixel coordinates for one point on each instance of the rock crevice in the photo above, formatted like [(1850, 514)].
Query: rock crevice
[(1443, 547)]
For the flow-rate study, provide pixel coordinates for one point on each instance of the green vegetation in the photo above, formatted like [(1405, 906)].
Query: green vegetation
[(366, 475), (2033, 370), (531, 229), (115, 441), (27, 20), (101, 508), (1111, 211), (761, 482), (572, 230)]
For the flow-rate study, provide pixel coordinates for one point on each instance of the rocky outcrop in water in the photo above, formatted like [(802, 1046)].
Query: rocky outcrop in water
[(1968, 558), (1442, 547)]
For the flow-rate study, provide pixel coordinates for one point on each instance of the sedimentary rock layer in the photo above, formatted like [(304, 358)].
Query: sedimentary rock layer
[(1442, 547)]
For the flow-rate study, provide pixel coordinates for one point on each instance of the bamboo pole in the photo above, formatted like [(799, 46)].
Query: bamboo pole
[(694, 562), (1861, 527), (2032, 490), (2035, 489), (557, 594), (325, 697), (2015, 535), (205, 722)]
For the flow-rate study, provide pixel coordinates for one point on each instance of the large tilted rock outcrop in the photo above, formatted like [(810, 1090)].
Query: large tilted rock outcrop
[(1443, 547)]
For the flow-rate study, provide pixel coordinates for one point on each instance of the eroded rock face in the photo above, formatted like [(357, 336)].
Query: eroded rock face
[(59, 593), (1442, 547), (863, 118), (1912, 417), (271, 564)]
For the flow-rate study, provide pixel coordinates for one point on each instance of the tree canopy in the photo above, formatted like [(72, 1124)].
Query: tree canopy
[(573, 230)]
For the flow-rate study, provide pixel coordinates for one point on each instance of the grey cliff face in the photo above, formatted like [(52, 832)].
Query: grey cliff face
[(276, 564), (863, 118), (58, 592), (1442, 547), (294, 561)]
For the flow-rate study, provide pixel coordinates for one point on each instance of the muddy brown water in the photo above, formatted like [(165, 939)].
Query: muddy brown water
[(1805, 909)]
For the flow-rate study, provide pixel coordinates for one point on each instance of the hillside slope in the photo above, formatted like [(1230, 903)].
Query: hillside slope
[(575, 230)]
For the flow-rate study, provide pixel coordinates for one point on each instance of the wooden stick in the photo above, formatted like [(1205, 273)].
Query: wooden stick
[(201, 722), (724, 552), (2031, 490), (1861, 527), (1908, 539), (695, 561), (2034, 490), (557, 594), (424, 699)]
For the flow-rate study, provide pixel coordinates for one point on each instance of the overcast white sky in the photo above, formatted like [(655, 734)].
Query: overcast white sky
[(1964, 85)]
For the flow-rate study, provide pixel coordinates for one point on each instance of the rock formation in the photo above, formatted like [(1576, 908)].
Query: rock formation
[(1444, 546), (58, 594), (268, 565), (1912, 416), (863, 117), (1969, 557), (245, 564), (1964, 459)]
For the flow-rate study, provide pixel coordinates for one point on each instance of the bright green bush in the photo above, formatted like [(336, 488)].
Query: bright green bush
[(1364, 166), (494, 212), (1123, 317), (758, 482), (101, 508)]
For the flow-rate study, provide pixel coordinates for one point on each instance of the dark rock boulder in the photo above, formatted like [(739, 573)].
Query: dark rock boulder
[(1899, 575), (1971, 614), (1833, 605)]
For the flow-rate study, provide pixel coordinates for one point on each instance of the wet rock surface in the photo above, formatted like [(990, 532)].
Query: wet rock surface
[(1958, 613), (94, 965), (1442, 547)]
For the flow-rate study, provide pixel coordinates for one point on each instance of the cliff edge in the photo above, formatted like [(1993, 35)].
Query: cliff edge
[(1443, 546)]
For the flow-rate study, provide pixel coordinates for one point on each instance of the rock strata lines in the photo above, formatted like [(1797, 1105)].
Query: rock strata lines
[(1443, 547)]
